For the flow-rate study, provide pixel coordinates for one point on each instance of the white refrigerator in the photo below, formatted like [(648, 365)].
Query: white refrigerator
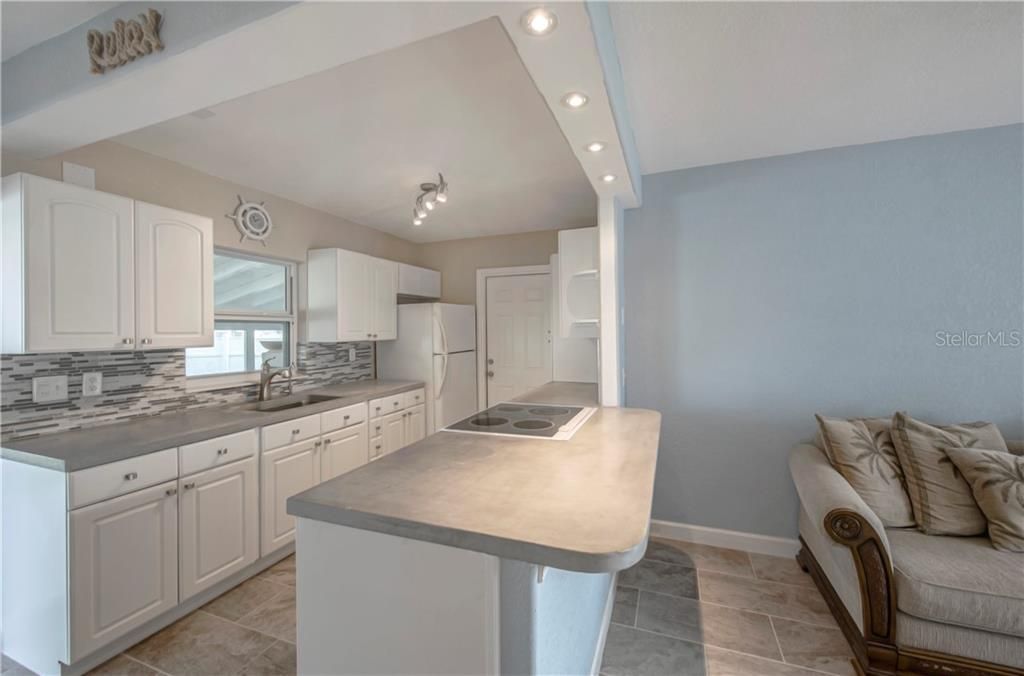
[(436, 344)]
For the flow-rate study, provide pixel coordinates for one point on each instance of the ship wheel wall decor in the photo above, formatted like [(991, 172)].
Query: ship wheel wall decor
[(252, 220)]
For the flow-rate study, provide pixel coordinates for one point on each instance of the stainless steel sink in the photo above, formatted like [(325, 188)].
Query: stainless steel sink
[(285, 403)]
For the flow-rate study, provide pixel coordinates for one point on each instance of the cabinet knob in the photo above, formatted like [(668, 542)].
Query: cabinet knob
[(131, 476), (346, 417), (189, 485), (171, 491), (490, 374), (127, 341), (296, 430), (377, 447), (369, 335), (147, 341), (222, 451), (327, 441)]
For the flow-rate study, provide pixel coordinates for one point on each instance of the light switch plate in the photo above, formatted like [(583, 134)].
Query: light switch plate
[(92, 384), (49, 388)]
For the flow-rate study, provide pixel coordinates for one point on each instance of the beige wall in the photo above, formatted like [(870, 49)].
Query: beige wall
[(459, 259), (132, 173)]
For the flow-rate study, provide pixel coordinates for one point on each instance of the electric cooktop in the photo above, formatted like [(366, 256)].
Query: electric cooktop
[(545, 421)]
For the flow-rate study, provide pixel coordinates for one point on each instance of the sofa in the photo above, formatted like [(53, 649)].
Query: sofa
[(908, 603)]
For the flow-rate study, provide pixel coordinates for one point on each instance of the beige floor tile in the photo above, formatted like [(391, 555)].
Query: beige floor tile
[(704, 623), (771, 598), (779, 569), (277, 660), (704, 557), (201, 643), (245, 598), (665, 578), (821, 648), (624, 610), (9, 667), (122, 665), (631, 652), (727, 663), (282, 572), (275, 617)]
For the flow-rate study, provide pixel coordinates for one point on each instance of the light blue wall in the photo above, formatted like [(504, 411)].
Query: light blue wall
[(758, 293)]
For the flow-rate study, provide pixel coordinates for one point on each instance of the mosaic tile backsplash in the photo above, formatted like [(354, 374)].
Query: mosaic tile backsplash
[(138, 384)]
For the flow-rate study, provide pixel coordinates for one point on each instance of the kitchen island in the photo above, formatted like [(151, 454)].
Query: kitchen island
[(470, 553)]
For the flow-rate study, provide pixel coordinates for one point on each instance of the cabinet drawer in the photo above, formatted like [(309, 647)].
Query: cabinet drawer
[(376, 447), (376, 428), (215, 452), (415, 398), (342, 417), (290, 432), (385, 405), (124, 476)]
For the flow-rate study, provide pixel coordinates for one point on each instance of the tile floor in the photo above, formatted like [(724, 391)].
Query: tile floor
[(685, 609)]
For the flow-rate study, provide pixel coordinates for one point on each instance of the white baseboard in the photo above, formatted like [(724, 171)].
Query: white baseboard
[(731, 539)]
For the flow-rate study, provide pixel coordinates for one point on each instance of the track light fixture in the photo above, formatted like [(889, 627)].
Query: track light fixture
[(430, 196)]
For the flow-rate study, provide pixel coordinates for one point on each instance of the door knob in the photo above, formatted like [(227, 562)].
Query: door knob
[(490, 361), (490, 374)]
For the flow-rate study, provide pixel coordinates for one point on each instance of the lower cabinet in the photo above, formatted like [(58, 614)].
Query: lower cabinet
[(401, 429), (415, 424), (393, 432), (123, 558), (343, 451), (286, 471), (219, 514)]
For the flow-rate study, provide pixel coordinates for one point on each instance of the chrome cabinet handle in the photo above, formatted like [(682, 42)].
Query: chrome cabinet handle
[(327, 441), (296, 430), (222, 451), (369, 335), (171, 491), (127, 341), (317, 444), (147, 341), (346, 417), (131, 476), (189, 485)]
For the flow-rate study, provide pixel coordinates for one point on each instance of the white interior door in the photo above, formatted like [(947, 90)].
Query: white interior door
[(518, 335)]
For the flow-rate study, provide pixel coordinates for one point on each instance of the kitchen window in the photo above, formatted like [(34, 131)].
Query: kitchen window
[(254, 322)]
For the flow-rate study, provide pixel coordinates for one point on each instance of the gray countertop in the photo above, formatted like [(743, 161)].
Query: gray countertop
[(583, 504), (80, 449), (564, 393)]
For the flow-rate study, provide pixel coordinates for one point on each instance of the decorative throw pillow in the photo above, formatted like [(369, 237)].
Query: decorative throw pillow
[(861, 449), (997, 481), (942, 500)]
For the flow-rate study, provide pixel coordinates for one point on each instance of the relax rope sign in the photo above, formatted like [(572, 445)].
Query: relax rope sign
[(128, 41)]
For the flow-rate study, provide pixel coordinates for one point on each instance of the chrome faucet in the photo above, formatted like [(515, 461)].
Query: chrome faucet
[(267, 376)]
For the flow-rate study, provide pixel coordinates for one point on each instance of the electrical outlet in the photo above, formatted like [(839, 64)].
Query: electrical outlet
[(49, 388), (351, 354), (92, 384)]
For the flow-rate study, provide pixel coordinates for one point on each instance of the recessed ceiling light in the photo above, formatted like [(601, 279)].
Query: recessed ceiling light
[(539, 21), (608, 178), (595, 147), (574, 100)]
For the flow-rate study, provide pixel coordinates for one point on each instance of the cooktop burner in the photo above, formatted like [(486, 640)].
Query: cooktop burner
[(532, 420)]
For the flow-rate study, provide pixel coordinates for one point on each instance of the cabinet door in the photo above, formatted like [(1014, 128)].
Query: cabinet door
[(394, 431), (124, 565), (415, 424), (384, 300), (173, 278), (219, 514), (343, 451), (355, 279), (286, 471), (78, 267)]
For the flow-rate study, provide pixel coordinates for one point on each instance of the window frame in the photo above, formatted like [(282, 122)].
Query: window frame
[(220, 381)]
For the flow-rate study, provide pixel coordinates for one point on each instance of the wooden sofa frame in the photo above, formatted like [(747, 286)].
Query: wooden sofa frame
[(876, 651)]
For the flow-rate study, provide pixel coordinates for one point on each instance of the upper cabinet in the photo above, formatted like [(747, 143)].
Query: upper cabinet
[(579, 298), (173, 277), (418, 282), (86, 270), (351, 297)]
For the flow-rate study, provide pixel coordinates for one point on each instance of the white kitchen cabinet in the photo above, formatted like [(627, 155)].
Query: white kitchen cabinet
[(68, 278), (87, 270), (394, 432), (286, 471), (173, 278), (350, 296), (415, 424), (219, 516), (418, 282), (123, 565), (343, 451)]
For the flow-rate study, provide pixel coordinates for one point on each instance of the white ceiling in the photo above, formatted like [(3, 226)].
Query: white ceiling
[(711, 82), (357, 140), (26, 24)]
